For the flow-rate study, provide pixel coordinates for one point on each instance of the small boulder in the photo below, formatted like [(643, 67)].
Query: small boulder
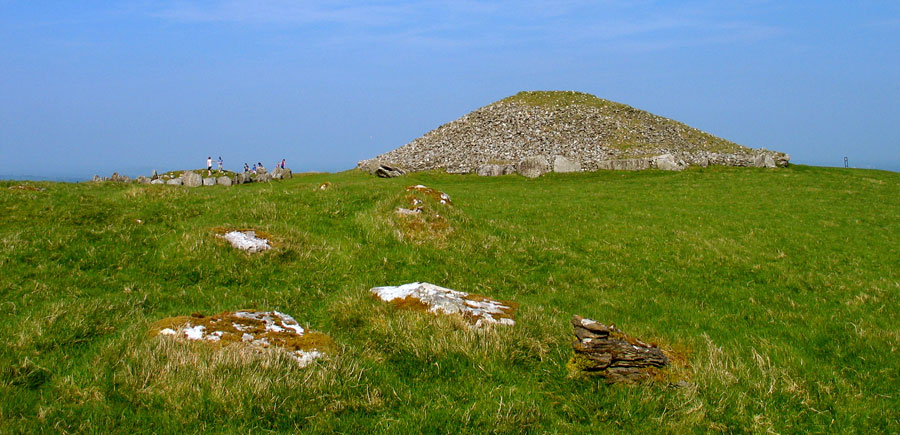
[(606, 351), (224, 181), (533, 167), (209, 181), (764, 160), (489, 170), (264, 177), (142, 179), (667, 162), (96, 178), (157, 181), (174, 182), (563, 164), (276, 173), (191, 179), (286, 174)]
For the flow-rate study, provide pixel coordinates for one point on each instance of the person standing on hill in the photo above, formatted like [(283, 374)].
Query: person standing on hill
[(282, 163), (246, 167), (208, 166), (220, 163)]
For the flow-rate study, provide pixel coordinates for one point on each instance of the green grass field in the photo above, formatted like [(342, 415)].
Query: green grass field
[(780, 288)]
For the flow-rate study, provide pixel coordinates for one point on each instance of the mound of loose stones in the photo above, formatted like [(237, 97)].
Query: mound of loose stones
[(478, 310), (609, 352), (246, 240), (254, 329)]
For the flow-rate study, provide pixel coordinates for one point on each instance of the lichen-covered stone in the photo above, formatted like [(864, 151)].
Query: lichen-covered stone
[(606, 351)]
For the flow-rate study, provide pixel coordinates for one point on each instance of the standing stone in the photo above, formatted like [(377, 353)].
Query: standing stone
[(562, 164), (154, 176), (191, 179), (286, 174), (764, 160), (276, 173), (533, 167), (667, 162), (609, 352), (224, 181), (209, 181)]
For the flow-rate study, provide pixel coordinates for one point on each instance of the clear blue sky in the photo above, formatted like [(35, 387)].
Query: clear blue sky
[(93, 86)]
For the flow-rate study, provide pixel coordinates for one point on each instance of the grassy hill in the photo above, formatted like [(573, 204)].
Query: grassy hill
[(780, 288)]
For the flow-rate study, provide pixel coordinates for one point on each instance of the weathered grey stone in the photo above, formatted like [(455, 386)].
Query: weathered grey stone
[(224, 181), (667, 162), (490, 170), (142, 179), (191, 179), (606, 351), (380, 169), (174, 182), (563, 164), (264, 178), (209, 181), (764, 160), (154, 176), (533, 167), (624, 164), (276, 173), (782, 159), (286, 174), (260, 170), (157, 181), (96, 178)]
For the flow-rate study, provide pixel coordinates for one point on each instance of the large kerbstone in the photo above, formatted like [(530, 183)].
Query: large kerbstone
[(667, 162), (533, 167), (224, 181), (209, 181), (174, 182), (624, 165), (191, 179), (764, 161), (563, 164)]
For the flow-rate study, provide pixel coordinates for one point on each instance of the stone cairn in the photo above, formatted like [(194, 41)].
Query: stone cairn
[(608, 352), (578, 132)]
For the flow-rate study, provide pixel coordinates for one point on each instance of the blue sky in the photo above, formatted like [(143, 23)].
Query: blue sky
[(96, 86)]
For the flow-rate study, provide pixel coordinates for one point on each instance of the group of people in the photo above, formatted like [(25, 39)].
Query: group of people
[(256, 167)]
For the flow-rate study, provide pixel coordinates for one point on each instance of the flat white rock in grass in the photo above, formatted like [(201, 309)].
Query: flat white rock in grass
[(443, 300), (247, 241)]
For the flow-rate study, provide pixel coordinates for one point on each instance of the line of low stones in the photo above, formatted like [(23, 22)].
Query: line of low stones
[(536, 166), (193, 179)]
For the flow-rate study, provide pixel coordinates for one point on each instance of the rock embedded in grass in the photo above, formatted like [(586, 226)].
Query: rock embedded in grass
[(246, 240), (606, 351), (478, 310), (254, 329)]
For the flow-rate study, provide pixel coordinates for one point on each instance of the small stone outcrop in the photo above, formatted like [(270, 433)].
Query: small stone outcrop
[(254, 330), (533, 167), (608, 352), (478, 310), (246, 240), (191, 179), (563, 164)]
